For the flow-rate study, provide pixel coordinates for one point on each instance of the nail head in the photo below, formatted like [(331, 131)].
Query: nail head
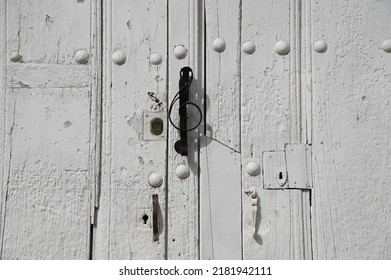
[(320, 46), (82, 56), (15, 56), (386, 45), (155, 58), (155, 180), (253, 168), (180, 52), (282, 47), (118, 57), (218, 45), (182, 171), (248, 47)]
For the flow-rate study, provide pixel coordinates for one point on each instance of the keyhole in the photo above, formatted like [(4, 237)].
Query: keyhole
[(156, 126), (280, 176), (145, 219)]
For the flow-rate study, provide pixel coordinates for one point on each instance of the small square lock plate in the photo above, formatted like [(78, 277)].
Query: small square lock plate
[(155, 126), (288, 169), (274, 170)]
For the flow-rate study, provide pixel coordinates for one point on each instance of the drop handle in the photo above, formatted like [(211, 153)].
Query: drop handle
[(155, 217), (183, 97), (254, 210)]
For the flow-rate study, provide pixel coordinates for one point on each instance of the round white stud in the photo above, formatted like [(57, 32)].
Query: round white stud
[(320, 46), (15, 56), (253, 168), (386, 45), (155, 58), (118, 57), (82, 56), (282, 47), (155, 180), (248, 47), (182, 171), (218, 45), (180, 52)]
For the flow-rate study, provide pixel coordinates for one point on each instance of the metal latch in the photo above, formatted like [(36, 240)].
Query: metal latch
[(155, 217), (288, 169)]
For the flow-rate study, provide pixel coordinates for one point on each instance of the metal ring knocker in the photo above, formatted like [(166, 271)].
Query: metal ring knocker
[(186, 78)]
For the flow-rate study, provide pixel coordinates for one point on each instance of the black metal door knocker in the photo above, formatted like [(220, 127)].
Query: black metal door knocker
[(183, 95)]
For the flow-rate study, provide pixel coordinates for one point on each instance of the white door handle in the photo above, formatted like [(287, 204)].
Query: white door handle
[(254, 210)]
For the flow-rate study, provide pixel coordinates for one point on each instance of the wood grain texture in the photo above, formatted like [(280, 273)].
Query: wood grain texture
[(270, 118), (39, 75), (48, 131), (351, 130), (220, 202), (223, 19), (138, 28), (3, 102), (185, 28)]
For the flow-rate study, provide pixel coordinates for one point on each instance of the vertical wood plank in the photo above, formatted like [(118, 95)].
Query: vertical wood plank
[(220, 202), (223, 19), (271, 117), (3, 90), (220, 183), (185, 28), (49, 130), (351, 130), (138, 29)]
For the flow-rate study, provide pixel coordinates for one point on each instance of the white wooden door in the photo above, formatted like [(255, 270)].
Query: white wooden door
[(291, 160)]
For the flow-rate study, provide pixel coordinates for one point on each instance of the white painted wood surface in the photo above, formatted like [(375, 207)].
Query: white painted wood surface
[(223, 19), (3, 101), (270, 118), (59, 175), (351, 130), (48, 106), (139, 29), (220, 202), (185, 28)]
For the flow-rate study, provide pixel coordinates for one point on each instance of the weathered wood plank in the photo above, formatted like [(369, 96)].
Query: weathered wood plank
[(43, 215), (223, 19), (48, 31), (220, 201), (351, 130), (47, 167), (38, 75), (49, 131), (270, 118), (185, 28), (138, 29), (3, 102)]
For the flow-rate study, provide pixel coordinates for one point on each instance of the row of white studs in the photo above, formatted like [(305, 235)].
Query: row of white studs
[(281, 47), (182, 172)]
